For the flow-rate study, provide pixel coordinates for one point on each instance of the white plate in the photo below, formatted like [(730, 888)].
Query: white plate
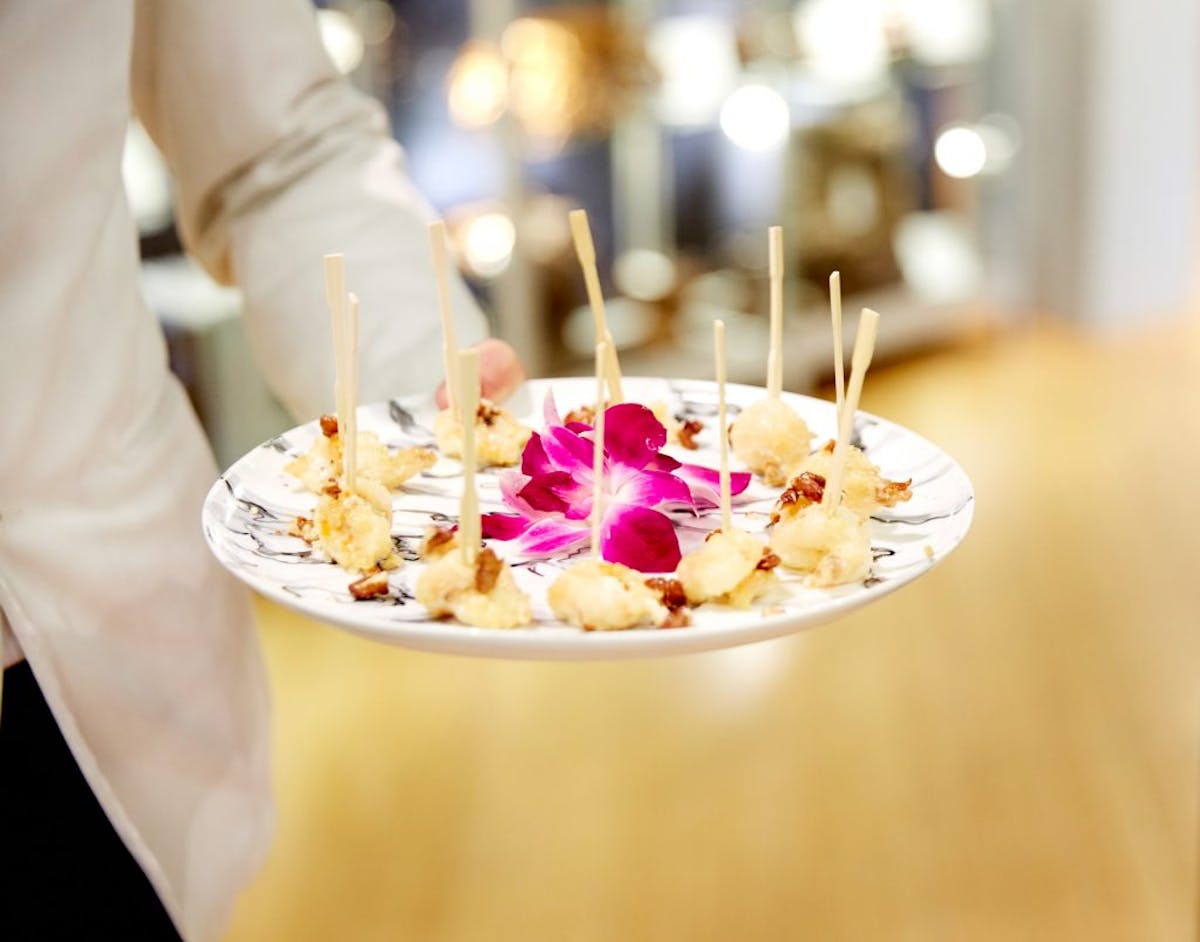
[(249, 510)]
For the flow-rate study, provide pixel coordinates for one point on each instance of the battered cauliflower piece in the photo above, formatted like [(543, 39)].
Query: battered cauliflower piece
[(732, 568), (598, 596), (324, 460), (770, 439), (864, 489), (499, 438), (484, 595), (833, 548), (355, 533)]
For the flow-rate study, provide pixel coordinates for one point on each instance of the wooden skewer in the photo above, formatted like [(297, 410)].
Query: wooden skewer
[(335, 297), (839, 367), (469, 527), (350, 393), (598, 449), (441, 271), (775, 354), (864, 348), (586, 250), (719, 356)]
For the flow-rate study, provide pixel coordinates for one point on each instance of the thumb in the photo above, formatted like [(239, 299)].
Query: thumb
[(500, 372)]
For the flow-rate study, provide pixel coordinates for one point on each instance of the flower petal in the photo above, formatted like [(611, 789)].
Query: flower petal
[(504, 526), (550, 410), (534, 459), (553, 535), (650, 488), (705, 483), (638, 537), (568, 451), (632, 435), (540, 493)]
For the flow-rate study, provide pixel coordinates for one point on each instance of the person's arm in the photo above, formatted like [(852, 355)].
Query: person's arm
[(279, 160)]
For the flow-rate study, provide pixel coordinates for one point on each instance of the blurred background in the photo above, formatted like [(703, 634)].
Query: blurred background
[(1009, 748)]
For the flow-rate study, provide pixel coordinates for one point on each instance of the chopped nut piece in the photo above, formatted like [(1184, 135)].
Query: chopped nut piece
[(370, 586), (769, 561), (487, 570), (331, 488), (436, 542), (584, 415), (806, 488), (688, 430), (329, 425), (302, 527), (671, 591), (487, 413)]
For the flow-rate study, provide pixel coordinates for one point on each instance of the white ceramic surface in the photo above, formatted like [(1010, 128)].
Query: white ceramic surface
[(249, 509)]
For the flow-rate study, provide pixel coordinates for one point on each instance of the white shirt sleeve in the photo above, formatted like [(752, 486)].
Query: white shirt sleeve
[(279, 160)]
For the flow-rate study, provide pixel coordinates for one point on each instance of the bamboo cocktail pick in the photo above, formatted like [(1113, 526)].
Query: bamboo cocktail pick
[(835, 312), (350, 393), (469, 527), (586, 250), (719, 357), (441, 271), (335, 297), (598, 449), (864, 348), (775, 352)]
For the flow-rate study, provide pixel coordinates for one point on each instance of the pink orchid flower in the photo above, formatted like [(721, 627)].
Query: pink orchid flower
[(552, 493)]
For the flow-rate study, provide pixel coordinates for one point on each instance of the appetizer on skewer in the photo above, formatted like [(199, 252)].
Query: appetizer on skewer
[(823, 537), (769, 437), (463, 581), (865, 489), (353, 518), (596, 595), (499, 437), (321, 463), (732, 567)]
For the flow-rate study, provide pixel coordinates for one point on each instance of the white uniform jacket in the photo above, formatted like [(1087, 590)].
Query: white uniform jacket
[(143, 646)]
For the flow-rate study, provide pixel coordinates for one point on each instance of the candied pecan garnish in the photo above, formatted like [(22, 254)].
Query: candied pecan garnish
[(806, 488), (890, 493), (584, 415), (303, 528), (329, 425), (487, 571), (769, 561), (670, 591), (332, 488), (436, 541), (486, 413), (688, 430), (370, 586)]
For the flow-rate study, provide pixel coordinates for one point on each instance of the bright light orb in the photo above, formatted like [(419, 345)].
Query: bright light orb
[(488, 242), (755, 118), (960, 152)]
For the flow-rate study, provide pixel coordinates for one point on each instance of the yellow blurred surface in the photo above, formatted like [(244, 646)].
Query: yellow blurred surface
[(1007, 749)]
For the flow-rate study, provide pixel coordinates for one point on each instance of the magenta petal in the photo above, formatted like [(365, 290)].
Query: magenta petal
[(662, 462), (553, 535), (578, 427), (534, 459), (550, 410), (638, 537), (539, 493), (503, 526), (632, 435), (567, 450), (651, 488), (706, 482)]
